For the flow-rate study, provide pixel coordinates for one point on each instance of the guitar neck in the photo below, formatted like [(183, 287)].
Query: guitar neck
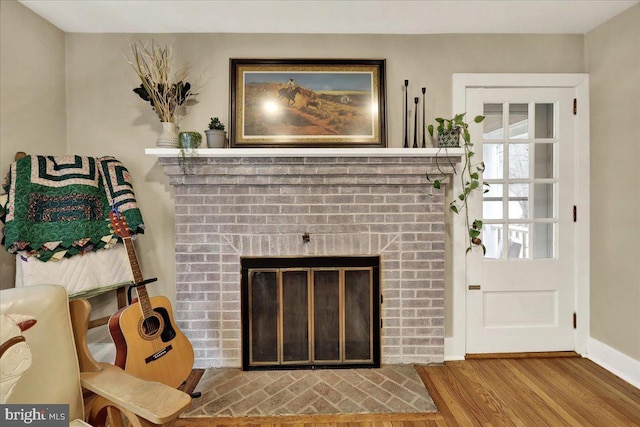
[(143, 296)]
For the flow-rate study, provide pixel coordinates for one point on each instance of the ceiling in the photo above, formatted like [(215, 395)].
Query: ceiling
[(328, 16)]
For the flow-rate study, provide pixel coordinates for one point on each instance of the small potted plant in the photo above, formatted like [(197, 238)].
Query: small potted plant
[(216, 136), (449, 132), (189, 141)]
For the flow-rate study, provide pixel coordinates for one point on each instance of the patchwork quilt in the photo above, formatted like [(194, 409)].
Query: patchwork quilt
[(58, 206)]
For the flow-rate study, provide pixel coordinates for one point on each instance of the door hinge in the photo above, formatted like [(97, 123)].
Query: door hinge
[(575, 320), (575, 213), (381, 299), (575, 106), (381, 324)]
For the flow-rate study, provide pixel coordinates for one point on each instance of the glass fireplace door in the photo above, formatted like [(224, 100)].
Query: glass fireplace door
[(311, 316)]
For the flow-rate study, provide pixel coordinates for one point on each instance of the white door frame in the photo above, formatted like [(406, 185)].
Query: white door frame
[(455, 346)]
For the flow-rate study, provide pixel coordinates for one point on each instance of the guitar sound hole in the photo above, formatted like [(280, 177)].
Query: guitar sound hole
[(151, 325)]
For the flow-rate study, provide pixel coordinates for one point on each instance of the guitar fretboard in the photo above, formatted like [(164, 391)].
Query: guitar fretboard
[(143, 297)]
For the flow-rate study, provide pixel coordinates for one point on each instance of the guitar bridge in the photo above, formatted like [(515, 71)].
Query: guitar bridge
[(157, 355)]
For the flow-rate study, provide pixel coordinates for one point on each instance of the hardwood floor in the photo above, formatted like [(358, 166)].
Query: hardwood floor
[(497, 392)]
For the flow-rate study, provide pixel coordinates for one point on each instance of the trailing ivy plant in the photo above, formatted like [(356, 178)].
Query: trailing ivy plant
[(189, 141), (469, 174)]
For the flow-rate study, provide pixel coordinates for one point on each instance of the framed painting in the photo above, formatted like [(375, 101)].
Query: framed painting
[(307, 103)]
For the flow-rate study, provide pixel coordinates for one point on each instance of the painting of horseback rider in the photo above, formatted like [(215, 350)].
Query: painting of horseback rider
[(289, 92)]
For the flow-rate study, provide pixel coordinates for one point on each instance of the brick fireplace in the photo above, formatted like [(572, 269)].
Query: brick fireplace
[(301, 203)]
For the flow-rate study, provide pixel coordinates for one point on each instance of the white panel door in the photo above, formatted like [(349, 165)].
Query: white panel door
[(522, 296)]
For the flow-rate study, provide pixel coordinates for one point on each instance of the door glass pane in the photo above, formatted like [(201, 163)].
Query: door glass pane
[(518, 201), (518, 121), (493, 125), (326, 314), (357, 315), (519, 161), (543, 240), (543, 200), (543, 167), (492, 205), (264, 316), (523, 175), (492, 240), (295, 320), (493, 157), (518, 243), (544, 121)]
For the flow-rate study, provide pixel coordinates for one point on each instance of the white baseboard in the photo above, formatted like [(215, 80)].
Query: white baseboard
[(450, 352), (614, 361)]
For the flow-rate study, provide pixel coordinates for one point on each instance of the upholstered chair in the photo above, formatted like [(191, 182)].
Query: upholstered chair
[(44, 360)]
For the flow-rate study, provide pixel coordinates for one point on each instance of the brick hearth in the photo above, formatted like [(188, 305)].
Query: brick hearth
[(239, 205)]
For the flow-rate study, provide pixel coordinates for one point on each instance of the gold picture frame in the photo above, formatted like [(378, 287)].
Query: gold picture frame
[(307, 103)]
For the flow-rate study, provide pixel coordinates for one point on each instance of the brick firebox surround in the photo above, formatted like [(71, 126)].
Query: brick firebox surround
[(244, 202)]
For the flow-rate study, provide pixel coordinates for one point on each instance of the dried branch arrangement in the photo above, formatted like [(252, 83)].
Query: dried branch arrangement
[(163, 87)]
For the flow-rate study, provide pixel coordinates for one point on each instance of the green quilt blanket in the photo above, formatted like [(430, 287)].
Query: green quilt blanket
[(58, 206)]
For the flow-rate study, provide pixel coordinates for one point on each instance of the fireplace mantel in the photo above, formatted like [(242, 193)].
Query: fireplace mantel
[(310, 152), (301, 202), (311, 166)]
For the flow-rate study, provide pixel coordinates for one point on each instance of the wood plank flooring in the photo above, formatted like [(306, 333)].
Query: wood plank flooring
[(496, 392)]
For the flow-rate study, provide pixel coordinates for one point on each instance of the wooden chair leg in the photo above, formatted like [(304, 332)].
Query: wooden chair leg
[(106, 413), (97, 414)]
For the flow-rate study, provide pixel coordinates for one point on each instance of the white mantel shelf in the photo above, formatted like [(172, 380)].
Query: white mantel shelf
[(309, 152)]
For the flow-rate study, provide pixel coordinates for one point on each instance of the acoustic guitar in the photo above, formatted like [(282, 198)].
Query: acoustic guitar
[(148, 343)]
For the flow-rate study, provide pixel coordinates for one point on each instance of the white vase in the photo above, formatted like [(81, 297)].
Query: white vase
[(169, 136)]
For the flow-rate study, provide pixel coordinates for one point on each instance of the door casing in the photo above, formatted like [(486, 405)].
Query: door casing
[(456, 344)]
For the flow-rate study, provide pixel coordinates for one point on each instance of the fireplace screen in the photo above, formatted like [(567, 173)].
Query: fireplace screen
[(307, 312)]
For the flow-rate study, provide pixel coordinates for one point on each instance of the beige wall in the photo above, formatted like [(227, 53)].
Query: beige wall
[(613, 62), (32, 94), (105, 117)]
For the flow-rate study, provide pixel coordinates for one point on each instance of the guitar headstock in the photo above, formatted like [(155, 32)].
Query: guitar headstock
[(119, 223)]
